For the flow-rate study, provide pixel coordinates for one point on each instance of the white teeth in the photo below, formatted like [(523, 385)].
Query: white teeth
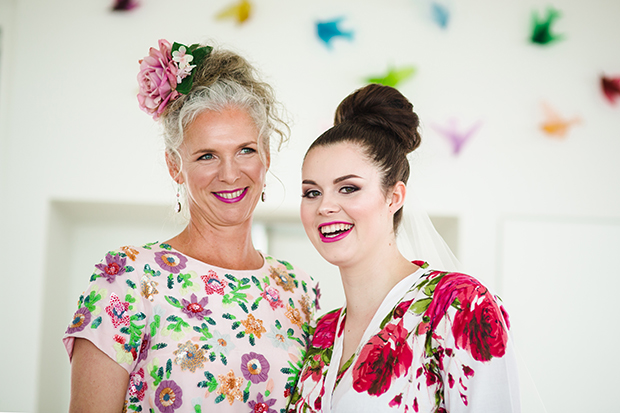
[(230, 195), (334, 229)]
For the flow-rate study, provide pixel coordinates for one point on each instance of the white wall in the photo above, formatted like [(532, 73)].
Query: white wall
[(71, 131)]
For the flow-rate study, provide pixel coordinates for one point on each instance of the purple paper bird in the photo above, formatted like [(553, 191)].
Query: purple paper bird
[(611, 88), (329, 29), (456, 137)]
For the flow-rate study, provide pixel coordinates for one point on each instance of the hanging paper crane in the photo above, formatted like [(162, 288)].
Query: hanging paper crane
[(456, 136), (394, 76), (611, 88), (124, 5), (328, 30), (541, 28), (440, 14), (555, 125), (239, 11)]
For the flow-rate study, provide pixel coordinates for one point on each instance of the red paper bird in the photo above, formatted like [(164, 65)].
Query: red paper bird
[(611, 88)]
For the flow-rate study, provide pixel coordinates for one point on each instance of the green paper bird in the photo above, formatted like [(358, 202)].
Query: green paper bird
[(541, 28), (394, 76)]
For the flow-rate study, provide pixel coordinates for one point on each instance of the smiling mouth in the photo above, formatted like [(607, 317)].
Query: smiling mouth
[(231, 196), (334, 231)]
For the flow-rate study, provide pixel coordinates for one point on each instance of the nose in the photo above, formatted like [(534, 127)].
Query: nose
[(328, 205), (229, 171)]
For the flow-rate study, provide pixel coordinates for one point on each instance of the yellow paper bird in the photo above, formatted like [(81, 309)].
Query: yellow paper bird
[(240, 11), (555, 125)]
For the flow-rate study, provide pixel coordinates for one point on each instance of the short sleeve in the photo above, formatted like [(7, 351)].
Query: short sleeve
[(110, 313)]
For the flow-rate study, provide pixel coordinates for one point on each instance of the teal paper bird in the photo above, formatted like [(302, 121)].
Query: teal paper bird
[(541, 28), (394, 76), (329, 29), (440, 14)]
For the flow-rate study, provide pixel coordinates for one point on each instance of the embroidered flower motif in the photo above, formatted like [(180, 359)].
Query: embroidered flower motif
[(294, 315), (117, 310), (230, 386), (254, 367), (145, 345), (282, 278), (148, 287), (114, 266), (170, 261), (137, 384), (253, 326), (195, 308), (306, 306), (221, 343), (386, 356), (168, 396), (132, 253), (272, 296), (81, 319), (325, 332), (279, 339), (213, 284), (189, 356), (261, 405)]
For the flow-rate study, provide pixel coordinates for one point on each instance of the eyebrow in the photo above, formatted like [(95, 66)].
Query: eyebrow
[(339, 179)]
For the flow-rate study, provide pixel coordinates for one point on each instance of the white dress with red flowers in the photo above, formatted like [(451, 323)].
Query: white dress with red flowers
[(439, 342), (194, 337)]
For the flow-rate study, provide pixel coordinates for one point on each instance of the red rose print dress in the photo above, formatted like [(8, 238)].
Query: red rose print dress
[(439, 342), (194, 337)]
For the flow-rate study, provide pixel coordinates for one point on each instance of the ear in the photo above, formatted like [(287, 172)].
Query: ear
[(173, 168), (397, 197)]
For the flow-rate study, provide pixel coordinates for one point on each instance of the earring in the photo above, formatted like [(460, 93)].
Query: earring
[(262, 196), (178, 206)]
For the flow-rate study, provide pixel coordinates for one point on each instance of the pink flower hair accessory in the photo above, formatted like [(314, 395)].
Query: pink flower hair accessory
[(166, 73)]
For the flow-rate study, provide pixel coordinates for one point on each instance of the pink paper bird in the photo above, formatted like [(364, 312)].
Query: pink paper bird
[(455, 136), (611, 88)]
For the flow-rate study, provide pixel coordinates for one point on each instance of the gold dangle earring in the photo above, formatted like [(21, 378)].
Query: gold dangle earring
[(178, 206)]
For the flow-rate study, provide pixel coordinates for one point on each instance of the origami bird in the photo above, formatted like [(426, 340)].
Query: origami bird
[(124, 5), (611, 88), (555, 125), (440, 14), (394, 76), (240, 11), (455, 136), (541, 28), (327, 30)]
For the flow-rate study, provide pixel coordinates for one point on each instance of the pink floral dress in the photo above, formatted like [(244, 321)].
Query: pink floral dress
[(438, 343), (194, 337)]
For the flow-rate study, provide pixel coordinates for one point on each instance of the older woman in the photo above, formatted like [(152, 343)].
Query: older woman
[(410, 338), (202, 321)]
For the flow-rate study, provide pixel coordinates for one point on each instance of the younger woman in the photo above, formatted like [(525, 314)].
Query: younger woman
[(409, 338)]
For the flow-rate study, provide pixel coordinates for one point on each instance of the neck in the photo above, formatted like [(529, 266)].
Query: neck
[(368, 282), (225, 247)]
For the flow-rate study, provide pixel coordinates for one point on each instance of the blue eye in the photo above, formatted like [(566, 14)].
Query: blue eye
[(311, 194), (248, 150), (206, 157)]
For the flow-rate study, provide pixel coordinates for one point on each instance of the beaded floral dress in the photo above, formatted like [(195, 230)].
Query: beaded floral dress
[(439, 342), (194, 337)]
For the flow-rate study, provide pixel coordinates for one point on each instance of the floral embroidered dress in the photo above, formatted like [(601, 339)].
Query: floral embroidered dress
[(194, 337), (438, 343)]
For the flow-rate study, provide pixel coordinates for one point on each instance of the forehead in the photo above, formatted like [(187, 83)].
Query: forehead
[(231, 125), (333, 161)]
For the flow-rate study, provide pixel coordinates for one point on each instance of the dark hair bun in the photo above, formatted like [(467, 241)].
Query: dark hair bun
[(383, 107)]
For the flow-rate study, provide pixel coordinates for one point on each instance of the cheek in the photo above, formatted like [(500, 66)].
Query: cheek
[(306, 213)]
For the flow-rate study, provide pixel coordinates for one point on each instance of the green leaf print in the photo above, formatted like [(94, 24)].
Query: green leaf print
[(148, 245), (165, 246), (131, 284), (168, 368), (220, 398), (91, 299), (204, 330), (174, 302), (170, 281), (210, 383), (155, 324), (96, 323), (128, 268), (257, 283), (151, 272), (235, 295), (421, 305), (159, 346), (287, 265)]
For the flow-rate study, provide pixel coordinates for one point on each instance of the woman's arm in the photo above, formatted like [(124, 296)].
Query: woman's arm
[(98, 383)]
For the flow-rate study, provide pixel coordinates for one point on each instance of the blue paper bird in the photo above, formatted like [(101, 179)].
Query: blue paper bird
[(329, 29), (440, 14)]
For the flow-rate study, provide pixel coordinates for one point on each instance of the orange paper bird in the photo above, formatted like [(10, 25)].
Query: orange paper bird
[(240, 11), (555, 125)]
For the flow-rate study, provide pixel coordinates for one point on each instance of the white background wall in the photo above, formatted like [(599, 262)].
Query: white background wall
[(72, 136)]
